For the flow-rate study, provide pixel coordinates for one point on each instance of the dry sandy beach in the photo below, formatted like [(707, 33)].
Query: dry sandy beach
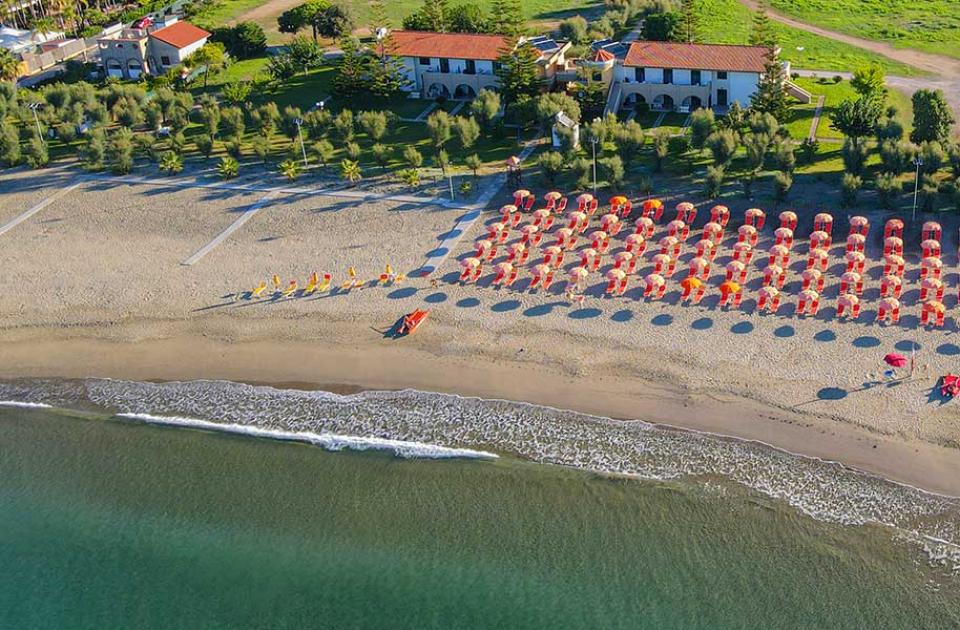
[(94, 285)]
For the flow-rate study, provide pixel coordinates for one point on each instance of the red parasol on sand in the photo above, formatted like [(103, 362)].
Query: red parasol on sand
[(895, 360)]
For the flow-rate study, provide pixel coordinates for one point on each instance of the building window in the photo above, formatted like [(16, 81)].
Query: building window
[(496, 66), (668, 75), (721, 75), (721, 98), (694, 77), (639, 74), (445, 65), (164, 61), (424, 61), (596, 76), (470, 67)]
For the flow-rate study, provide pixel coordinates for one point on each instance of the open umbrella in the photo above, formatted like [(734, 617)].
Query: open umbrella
[(895, 360)]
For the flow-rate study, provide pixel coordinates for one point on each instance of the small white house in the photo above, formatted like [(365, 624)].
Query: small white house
[(562, 121)]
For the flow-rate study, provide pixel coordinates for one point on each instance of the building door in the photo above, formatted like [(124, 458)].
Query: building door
[(445, 66), (668, 75), (721, 98), (471, 67), (694, 77)]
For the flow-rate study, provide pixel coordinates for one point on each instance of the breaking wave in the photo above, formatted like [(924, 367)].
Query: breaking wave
[(825, 490), (328, 441)]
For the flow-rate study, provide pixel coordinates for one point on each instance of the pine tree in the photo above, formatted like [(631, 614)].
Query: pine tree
[(691, 21), (351, 74), (437, 14), (387, 74), (770, 96), (762, 32), (506, 17), (518, 72)]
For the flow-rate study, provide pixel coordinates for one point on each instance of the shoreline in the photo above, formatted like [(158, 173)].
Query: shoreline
[(349, 368)]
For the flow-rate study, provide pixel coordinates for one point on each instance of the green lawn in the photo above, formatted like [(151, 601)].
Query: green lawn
[(802, 115), (728, 21), (929, 25)]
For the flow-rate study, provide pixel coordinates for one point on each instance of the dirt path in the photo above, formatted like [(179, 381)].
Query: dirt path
[(945, 70), (267, 10)]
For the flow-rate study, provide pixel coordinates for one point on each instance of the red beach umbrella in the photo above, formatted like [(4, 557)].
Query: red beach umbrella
[(895, 360)]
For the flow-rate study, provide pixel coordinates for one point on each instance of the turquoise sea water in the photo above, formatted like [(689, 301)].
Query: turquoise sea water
[(106, 523)]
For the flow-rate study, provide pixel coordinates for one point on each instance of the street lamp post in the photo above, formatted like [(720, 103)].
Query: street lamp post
[(299, 123), (593, 141), (918, 162), (34, 107)]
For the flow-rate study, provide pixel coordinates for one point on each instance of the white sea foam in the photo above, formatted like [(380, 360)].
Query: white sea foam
[(824, 490), (23, 404), (328, 441)]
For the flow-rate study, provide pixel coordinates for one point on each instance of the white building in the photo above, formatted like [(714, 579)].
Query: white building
[(458, 65), (671, 76)]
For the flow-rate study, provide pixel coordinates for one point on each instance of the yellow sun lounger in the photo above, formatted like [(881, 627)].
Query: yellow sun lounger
[(258, 292), (291, 289), (312, 284)]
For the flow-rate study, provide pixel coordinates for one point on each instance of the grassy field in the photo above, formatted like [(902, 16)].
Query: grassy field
[(729, 22), (722, 21), (928, 25), (834, 93)]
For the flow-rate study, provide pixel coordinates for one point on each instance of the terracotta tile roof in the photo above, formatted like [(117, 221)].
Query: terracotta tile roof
[(180, 34), (448, 45), (726, 57), (604, 55)]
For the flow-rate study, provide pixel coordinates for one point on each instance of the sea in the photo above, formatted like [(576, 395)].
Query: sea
[(211, 504)]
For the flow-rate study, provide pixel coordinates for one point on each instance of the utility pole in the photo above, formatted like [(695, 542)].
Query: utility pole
[(918, 162)]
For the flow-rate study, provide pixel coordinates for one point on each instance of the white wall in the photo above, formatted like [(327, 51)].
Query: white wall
[(742, 85), (409, 66)]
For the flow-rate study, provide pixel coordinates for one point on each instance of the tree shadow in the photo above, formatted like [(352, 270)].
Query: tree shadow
[(622, 316), (402, 294), (468, 302), (742, 328), (832, 393), (664, 319), (436, 298)]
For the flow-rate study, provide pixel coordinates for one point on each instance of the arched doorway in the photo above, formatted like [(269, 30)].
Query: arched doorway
[(464, 92), (663, 102), (438, 90), (114, 68), (134, 69), (691, 103)]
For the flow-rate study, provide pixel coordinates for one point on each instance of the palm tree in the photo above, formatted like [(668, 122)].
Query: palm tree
[(228, 168), (9, 66), (171, 163), (350, 171), (290, 169)]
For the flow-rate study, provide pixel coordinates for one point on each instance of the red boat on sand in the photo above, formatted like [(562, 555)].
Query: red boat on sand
[(412, 321)]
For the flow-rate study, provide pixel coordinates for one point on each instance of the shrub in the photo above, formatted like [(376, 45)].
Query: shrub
[(713, 181), (782, 182), (353, 150), (582, 170), (702, 123), (412, 157), (933, 156), (473, 162), (888, 188), (120, 151), (849, 187), (783, 155), (551, 164), (661, 148), (37, 155), (381, 155), (350, 171), (612, 170), (898, 157), (855, 152), (409, 176), (808, 150), (323, 149), (722, 145)]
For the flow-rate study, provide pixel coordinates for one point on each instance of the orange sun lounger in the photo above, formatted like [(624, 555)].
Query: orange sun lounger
[(412, 321)]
